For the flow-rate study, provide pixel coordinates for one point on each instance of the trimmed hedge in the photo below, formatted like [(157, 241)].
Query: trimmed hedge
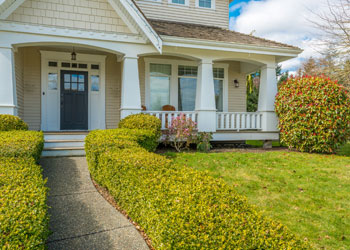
[(142, 121), (10, 122), (21, 144), (179, 207), (314, 114), (23, 209)]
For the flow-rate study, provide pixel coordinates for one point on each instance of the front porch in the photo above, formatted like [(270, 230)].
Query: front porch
[(104, 87)]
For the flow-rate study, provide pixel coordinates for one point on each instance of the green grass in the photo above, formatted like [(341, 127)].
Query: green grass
[(309, 193)]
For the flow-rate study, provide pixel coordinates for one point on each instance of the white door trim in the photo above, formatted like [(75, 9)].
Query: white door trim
[(96, 111)]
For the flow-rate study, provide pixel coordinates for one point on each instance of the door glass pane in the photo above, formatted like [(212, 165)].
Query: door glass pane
[(219, 97), (160, 92), (74, 86), (81, 78), (95, 83), (67, 85), (52, 81), (74, 78), (81, 87), (187, 94), (67, 77)]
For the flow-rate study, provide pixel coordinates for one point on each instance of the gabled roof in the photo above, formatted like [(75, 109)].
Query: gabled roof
[(203, 32), (133, 17), (155, 29)]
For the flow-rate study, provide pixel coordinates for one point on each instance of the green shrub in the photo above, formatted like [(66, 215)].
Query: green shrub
[(178, 207), (181, 208), (10, 122), (141, 121), (314, 114), (21, 144), (99, 141), (23, 209)]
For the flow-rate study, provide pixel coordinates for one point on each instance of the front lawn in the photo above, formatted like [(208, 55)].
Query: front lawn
[(309, 193)]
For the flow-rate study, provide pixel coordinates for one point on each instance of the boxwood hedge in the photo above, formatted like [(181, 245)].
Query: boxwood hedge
[(23, 209), (21, 144), (10, 122), (179, 207), (142, 121)]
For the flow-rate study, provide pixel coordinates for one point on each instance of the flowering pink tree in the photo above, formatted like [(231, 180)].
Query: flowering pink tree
[(182, 132)]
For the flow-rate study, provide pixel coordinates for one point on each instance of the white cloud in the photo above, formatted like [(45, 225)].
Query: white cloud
[(285, 21)]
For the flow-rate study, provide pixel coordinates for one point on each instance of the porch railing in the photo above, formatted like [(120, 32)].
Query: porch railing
[(167, 116), (238, 121)]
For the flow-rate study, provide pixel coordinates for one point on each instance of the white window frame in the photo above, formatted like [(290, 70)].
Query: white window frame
[(174, 86), (205, 8), (187, 3)]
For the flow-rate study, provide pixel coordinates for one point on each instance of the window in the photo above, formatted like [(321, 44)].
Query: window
[(219, 76), (204, 3), (178, 1), (160, 75), (52, 81), (95, 83), (187, 87)]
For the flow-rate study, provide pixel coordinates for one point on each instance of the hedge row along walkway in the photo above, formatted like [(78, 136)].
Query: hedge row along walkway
[(80, 217)]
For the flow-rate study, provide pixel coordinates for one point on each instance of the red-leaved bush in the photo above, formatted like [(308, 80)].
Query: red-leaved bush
[(314, 114)]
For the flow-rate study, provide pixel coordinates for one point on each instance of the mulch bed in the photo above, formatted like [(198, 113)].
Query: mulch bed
[(223, 147), (109, 198)]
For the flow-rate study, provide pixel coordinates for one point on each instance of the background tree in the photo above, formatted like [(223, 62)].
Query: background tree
[(253, 82), (334, 27)]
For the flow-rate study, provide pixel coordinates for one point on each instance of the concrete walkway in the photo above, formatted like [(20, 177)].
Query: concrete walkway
[(80, 217)]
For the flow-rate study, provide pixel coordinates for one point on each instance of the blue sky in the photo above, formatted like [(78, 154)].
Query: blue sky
[(285, 21), (237, 11)]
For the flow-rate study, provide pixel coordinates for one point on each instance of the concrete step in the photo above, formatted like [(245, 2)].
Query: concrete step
[(63, 136), (67, 143), (63, 143), (63, 152)]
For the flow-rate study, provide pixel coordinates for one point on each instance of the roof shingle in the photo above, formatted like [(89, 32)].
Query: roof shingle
[(197, 31)]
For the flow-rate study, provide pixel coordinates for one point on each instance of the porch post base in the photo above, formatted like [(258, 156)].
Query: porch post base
[(269, 121), (206, 121), (8, 110), (126, 112)]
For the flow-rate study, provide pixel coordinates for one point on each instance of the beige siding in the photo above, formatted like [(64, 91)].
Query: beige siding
[(81, 14), (19, 81), (113, 91), (236, 96), (32, 87), (191, 14)]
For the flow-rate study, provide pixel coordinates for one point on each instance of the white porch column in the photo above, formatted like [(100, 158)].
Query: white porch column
[(267, 94), (205, 97), (8, 101), (131, 95)]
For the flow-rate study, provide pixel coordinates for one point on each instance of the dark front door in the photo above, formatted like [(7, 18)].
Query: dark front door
[(74, 100)]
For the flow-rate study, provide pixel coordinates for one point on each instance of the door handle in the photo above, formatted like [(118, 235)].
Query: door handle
[(43, 93)]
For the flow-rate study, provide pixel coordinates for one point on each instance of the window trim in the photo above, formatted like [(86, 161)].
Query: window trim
[(205, 8), (174, 91)]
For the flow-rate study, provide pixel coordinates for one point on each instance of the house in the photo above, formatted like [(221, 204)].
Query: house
[(85, 64)]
